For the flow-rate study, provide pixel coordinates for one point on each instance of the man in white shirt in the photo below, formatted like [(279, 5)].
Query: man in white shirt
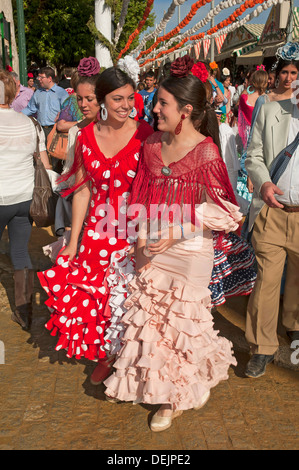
[(274, 216)]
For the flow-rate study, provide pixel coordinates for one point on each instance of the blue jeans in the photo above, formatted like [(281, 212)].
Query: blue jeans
[(19, 224)]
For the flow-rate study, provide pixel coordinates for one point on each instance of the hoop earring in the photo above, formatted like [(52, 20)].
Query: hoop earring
[(104, 112), (248, 90), (133, 113), (179, 126)]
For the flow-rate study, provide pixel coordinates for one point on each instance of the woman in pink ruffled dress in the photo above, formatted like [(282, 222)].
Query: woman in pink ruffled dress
[(171, 354)]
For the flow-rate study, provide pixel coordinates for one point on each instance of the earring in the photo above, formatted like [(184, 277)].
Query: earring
[(250, 91), (179, 126), (104, 112), (133, 113)]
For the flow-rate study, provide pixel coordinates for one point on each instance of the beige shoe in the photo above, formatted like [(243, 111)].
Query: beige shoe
[(112, 399), (161, 423), (203, 401)]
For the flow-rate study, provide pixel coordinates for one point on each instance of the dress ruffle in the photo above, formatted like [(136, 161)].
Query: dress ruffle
[(171, 353), (216, 218), (121, 272), (234, 271), (77, 301)]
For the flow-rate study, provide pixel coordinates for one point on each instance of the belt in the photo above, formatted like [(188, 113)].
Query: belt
[(48, 127), (290, 208)]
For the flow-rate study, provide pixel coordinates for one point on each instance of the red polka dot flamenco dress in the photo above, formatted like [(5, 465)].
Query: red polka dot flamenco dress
[(86, 294)]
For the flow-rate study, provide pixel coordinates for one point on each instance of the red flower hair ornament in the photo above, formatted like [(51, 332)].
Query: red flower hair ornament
[(181, 67), (199, 70)]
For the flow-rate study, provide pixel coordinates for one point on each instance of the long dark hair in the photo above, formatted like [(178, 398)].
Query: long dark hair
[(190, 90), (111, 79)]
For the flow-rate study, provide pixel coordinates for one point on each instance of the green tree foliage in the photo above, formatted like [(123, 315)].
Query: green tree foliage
[(56, 31), (134, 15)]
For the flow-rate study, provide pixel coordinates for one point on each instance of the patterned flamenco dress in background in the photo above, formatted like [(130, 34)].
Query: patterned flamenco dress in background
[(86, 294)]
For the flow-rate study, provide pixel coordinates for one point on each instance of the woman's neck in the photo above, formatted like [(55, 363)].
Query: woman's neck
[(283, 92), (112, 126), (188, 136)]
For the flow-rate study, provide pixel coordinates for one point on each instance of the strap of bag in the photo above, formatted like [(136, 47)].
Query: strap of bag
[(37, 127), (282, 160)]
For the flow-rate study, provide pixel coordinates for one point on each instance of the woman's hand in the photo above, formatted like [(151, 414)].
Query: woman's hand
[(69, 251), (168, 237), (249, 185), (142, 262)]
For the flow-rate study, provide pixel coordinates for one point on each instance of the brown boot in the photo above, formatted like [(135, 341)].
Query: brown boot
[(24, 280)]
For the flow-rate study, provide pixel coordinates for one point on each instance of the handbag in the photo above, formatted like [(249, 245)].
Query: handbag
[(43, 205), (57, 143)]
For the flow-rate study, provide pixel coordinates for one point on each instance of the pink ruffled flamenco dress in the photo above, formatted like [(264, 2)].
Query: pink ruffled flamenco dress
[(171, 353)]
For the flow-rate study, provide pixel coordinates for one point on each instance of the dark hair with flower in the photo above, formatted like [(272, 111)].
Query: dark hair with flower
[(199, 70), (87, 71), (287, 54), (181, 67), (188, 88)]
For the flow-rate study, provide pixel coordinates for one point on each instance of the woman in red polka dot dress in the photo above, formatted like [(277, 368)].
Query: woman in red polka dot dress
[(87, 287)]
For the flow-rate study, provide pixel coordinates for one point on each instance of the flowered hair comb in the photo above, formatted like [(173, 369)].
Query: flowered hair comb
[(289, 51), (181, 67), (130, 66), (89, 66), (199, 70), (213, 65), (261, 67), (184, 66)]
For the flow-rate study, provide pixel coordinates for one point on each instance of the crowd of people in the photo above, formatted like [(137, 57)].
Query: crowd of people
[(175, 194)]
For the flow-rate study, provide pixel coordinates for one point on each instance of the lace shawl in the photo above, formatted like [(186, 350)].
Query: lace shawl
[(201, 172)]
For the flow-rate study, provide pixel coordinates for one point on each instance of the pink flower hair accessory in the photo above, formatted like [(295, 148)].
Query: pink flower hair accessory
[(89, 66), (261, 67), (199, 70)]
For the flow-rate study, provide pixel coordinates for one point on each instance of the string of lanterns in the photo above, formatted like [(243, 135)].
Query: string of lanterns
[(195, 7), (212, 33), (167, 16), (138, 29)]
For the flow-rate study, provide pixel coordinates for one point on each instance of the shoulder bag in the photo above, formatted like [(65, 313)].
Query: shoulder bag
[(42, 208)]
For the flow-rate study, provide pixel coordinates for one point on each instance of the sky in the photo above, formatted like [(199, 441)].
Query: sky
[(162, 5)]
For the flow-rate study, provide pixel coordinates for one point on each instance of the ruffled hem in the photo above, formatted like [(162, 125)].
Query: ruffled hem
[(121, 272), (171, 353), (234, 270), (216, 218), (77, 302)]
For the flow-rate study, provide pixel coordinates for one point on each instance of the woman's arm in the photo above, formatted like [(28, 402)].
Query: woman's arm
[(220, 96), (174, 234), (45, 159), (80, 205), (64, 126)]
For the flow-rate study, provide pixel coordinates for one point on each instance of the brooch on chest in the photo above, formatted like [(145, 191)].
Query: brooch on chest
[(166, 171)]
